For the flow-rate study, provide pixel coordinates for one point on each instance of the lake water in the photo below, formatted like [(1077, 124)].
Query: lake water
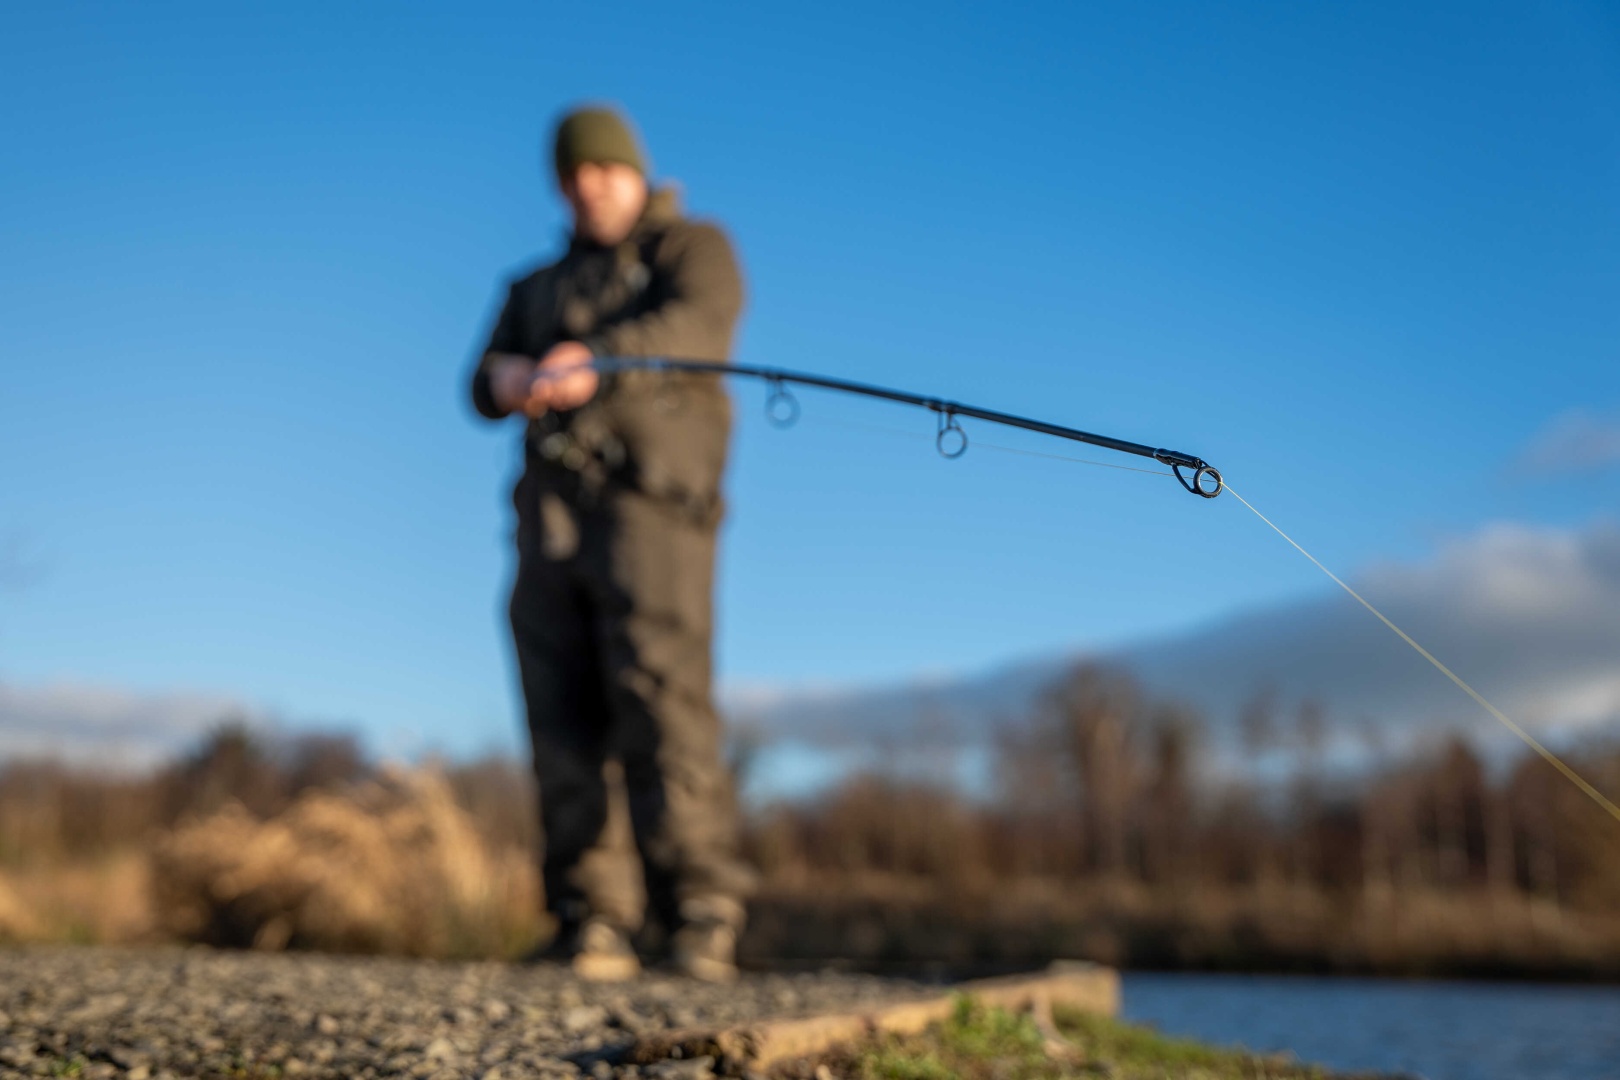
[(1436, 1030)]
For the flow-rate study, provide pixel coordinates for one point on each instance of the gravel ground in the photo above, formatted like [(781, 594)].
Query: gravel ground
[(149, 1013)]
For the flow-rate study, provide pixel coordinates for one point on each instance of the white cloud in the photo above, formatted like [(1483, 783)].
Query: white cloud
[(1575, 441), (105, 726), (741, 699), (1529, 616)]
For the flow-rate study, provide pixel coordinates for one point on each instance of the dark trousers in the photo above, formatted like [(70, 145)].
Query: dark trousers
[(612, 616)]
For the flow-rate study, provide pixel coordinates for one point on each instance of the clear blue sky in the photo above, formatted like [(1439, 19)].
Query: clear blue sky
[(1356, 255)]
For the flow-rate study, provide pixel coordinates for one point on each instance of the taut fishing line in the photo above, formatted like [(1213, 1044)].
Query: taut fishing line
[(1529, 740), (1202, 479)]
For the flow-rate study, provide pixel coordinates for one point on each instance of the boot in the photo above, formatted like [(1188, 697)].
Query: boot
[(705, 947), (603, 953), (596, 950)]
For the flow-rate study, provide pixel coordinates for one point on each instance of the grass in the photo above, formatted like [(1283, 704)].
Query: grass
[(979, 1043)]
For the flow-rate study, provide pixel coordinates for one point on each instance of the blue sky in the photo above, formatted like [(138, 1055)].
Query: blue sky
[(1358, 256)]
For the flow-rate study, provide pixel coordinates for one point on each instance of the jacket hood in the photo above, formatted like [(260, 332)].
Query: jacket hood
[(663, 206)]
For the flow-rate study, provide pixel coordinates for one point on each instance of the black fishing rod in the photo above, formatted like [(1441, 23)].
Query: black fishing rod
[(782, 409)]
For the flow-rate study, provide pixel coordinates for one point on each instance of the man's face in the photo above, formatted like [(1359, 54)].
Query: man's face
[(607, 200)]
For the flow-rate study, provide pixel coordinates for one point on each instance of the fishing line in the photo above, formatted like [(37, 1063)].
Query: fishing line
[(1551, 758), (1073, 460)]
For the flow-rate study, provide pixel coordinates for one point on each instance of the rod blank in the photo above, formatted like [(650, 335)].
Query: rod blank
[(948, 410)]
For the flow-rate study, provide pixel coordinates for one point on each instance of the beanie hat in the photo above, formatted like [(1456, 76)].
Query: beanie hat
[(596, 135)]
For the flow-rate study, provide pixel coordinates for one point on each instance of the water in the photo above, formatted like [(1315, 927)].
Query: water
[(1437, 1030)]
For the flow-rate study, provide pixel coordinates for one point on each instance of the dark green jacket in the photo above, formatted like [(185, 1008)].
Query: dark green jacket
[(672, 290)]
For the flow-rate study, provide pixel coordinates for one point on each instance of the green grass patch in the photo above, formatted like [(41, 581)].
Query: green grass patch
[(979, 1043)]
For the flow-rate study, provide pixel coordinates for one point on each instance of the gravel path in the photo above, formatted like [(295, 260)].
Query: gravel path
[(149, 1013)]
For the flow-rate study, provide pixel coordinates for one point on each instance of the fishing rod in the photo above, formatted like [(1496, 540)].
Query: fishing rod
[(782, 409)]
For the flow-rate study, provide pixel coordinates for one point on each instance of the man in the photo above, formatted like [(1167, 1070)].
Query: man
[(617, 512)]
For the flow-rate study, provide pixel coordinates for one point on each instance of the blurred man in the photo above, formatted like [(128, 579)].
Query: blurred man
[(617, 511)]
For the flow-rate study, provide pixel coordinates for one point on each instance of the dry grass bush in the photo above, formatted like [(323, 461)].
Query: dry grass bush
[(102, 899), (393, 864), (17, 922)]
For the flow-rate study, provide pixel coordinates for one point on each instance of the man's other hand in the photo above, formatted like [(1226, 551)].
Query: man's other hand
[(510, 377), (568, 380)]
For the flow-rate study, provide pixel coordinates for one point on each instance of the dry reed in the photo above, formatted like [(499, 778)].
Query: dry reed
[(393, 865)]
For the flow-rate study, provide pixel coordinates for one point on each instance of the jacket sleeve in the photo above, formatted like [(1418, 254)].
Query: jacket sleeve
[(504, 339), (702, 297)]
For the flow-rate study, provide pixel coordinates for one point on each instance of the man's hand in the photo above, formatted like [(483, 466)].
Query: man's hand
[(565, 382), (510, 377), (561, 380)]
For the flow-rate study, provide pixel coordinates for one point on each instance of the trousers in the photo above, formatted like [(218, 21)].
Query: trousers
[(612, 619)]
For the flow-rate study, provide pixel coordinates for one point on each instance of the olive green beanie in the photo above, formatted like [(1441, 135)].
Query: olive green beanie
[(596, 135)]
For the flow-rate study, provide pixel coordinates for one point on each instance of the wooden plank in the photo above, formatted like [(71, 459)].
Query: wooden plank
[(1067, 984)]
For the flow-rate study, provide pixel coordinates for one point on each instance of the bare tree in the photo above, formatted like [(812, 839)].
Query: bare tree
[(1310, 737), (1096, 709), (1375, 828), (1168, 852)]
